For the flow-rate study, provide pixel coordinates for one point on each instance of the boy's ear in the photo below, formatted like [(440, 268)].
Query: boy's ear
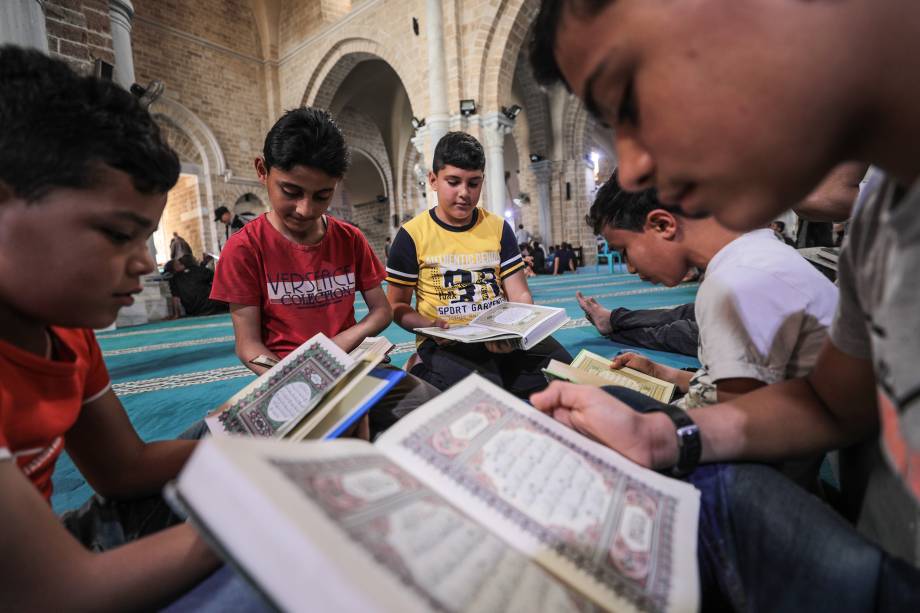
[(433, 180), (261, 171), (661, 223)]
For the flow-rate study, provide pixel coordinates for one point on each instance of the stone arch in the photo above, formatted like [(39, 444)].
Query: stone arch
[(342, 57), (202, 154), (503, 43)]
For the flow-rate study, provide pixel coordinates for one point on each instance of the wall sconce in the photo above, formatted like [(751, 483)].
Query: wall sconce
[(467, 107), (536, 157), (418, 123), (511, 112)]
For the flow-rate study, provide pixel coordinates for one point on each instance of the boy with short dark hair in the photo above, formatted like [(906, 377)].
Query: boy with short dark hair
[(84, 173), (458, 259), (294, 271), (765, 544)]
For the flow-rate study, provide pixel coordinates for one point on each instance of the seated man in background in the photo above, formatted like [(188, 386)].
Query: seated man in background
[(190, 284), (456, 258)]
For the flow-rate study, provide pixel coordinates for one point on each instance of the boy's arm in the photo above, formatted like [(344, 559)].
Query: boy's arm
[(400, 298), (833, 407), (113, 458), (378, 317), (43, 568), (726, 389), (247, 330), (516, 288)]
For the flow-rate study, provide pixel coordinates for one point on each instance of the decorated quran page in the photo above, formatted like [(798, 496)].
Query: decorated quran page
[(620, 534), (340, 527), (599, 367), (525, 324), (276, 402)]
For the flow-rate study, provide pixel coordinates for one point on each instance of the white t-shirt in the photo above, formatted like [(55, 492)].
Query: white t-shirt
[(763, 313)]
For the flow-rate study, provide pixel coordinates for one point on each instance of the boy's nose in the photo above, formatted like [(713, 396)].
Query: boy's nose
[(142, 263), (636, 168)]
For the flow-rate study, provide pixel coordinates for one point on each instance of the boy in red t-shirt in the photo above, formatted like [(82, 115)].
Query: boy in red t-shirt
[(84, 174), (294, 271)]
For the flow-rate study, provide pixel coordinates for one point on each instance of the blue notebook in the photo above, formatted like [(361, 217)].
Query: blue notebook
[(356, 403)]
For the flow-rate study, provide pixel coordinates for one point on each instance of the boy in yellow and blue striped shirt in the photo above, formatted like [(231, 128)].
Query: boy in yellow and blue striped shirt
[(460, 260)]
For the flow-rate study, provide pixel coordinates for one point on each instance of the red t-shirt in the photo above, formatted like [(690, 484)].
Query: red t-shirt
[(301, 289), (40, 399)]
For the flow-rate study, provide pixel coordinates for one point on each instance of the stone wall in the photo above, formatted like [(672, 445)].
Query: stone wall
[(79, 31)]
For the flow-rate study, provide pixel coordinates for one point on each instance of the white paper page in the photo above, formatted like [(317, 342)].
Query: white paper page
[(378, 526), (624, 535), (516, 318)]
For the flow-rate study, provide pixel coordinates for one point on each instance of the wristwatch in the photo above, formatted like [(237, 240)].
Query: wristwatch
[(689, 446)]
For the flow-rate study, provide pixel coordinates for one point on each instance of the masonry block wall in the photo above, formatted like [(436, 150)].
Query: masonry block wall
[(207, 54), (79, 31)]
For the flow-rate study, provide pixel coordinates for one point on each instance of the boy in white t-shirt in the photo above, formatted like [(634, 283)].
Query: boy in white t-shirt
[(762, 310)]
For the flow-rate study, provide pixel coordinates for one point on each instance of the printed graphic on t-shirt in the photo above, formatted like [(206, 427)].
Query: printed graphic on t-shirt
[(32, 461), (465, 284), (311, 289)]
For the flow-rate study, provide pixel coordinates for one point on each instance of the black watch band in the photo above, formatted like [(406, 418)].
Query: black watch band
[(689, 445)]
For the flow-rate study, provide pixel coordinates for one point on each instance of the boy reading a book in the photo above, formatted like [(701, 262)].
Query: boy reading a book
[(459, 260), (762, 309), (294, 271), (753, 135), (84, 173)]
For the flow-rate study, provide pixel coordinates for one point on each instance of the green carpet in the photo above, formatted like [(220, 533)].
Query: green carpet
[(170, 374)]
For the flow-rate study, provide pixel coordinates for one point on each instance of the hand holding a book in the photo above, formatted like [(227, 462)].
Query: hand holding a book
[(645, 438), (444, 325), (639, 362)]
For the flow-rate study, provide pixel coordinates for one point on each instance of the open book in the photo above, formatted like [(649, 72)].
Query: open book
[(591, 369), (315, 387), (524, 325), (473, 502)]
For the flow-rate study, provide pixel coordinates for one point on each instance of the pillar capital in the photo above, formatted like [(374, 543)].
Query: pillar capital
[(121, 12)]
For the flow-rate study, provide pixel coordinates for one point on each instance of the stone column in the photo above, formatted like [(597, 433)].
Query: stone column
[(494, 127), (152, 303), (438, 114), (22, 22), (543, 173), (121, 15)]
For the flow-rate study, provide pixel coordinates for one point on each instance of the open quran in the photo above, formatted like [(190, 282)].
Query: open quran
[(310, 393), (524, 325), (473, 502), (591, 369)]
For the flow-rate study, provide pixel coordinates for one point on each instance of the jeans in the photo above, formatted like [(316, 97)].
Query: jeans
[(765, 544)]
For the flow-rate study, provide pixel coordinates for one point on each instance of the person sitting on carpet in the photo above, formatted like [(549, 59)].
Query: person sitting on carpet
[(85, 172), (190, 284), (762, 309), (457, 257), (294, 271)]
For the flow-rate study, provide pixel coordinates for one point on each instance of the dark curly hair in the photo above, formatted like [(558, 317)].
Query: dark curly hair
[(615, 207), (57, 127), (458, 149), (307, 137)]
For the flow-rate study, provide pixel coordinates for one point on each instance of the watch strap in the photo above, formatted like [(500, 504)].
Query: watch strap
[(689, 445)]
